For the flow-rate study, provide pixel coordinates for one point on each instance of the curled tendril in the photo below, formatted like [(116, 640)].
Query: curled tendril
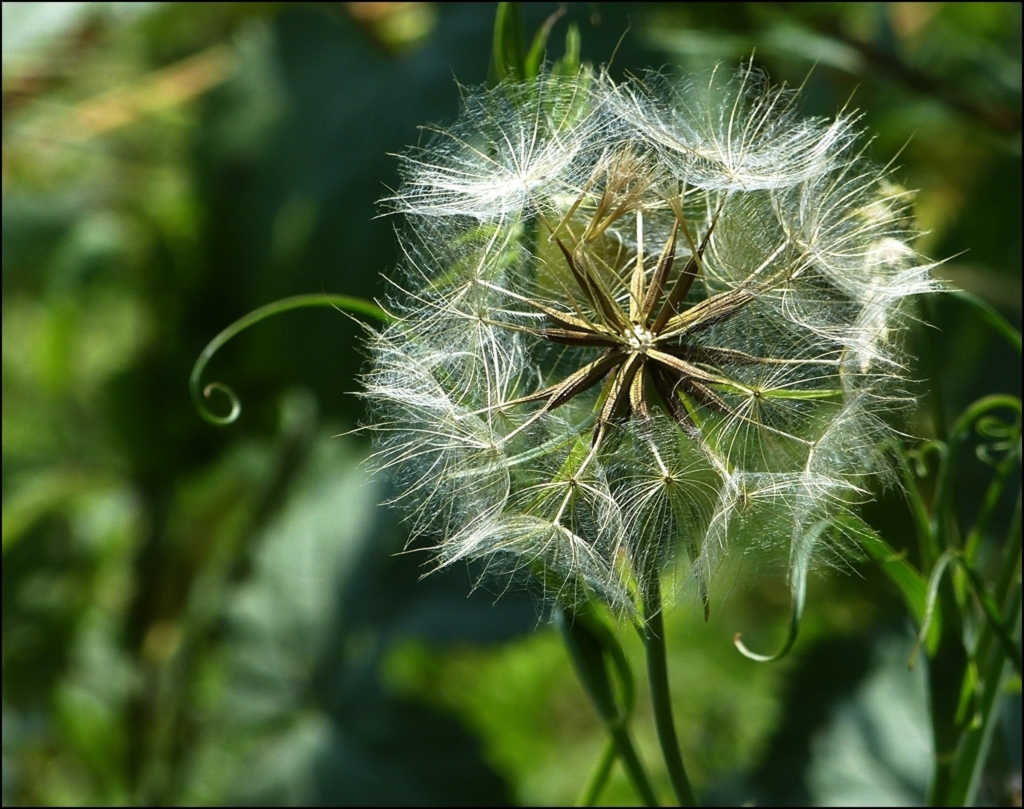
[(342, 303), (971, 418), (995, 428), (919, 456), (236, 405), (1003, 437)]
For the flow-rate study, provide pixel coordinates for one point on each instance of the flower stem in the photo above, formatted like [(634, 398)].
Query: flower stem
[(931, 363), (631, 761), (973, 748), (589, 642), (657, 670), (598, 778)]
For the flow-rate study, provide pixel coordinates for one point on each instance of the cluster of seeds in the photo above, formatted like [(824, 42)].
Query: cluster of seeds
[(639, 326)]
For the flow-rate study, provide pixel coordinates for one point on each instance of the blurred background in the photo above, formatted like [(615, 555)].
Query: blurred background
[(203, 615)]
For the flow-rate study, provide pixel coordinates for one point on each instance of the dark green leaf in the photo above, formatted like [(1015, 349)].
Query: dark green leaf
[(507, 60), (908, 580)]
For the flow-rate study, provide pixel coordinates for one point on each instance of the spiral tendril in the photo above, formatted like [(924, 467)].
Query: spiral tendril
[(343, 303)]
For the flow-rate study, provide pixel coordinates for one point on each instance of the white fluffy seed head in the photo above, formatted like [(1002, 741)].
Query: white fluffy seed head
[(515, 148), (543, 410)]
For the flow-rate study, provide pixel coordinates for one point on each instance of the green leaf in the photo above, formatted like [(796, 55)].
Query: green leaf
[(304, 719), (798, 586), (912, 585), (991, 316), (507, 60), (992, 613), (569, 64), (535, 57), (973, 748)]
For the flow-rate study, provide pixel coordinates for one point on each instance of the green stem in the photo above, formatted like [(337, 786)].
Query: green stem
[(992, 317), (993, 613), (343, 303), (974, 747), (599, 778), (928, 546), (988, 506), (991, 659), (589, 642), (1008, 576), (946, 670), (657, 671), (634, 767), (932, 368)]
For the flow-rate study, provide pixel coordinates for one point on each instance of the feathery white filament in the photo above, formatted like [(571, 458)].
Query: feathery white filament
[(639, 323)]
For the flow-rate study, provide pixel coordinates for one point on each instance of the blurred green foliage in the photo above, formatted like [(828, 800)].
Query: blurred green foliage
[(193, 615)]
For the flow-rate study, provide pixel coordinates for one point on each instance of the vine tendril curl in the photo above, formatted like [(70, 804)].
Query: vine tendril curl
[(343, 303)]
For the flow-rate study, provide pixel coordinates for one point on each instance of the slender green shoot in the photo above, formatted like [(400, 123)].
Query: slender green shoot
[(989, 314), (657, 671), (599, 777), (591, 645)]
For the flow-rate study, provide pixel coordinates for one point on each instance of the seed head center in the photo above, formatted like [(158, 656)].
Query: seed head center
[(639, 338)]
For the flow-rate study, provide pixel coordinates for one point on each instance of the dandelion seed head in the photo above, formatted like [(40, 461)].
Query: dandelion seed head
[(642, 326)]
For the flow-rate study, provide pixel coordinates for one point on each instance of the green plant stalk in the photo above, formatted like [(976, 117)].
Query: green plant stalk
[(946, 670), (928, 546), (948, 667), (989, 314), (631, 761), (1008, 575), (992, 496), (932, 367), (973, 750), (992, 611), (995, 619), (657, 671), (589, 642), (599, 777), (948, 663)]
